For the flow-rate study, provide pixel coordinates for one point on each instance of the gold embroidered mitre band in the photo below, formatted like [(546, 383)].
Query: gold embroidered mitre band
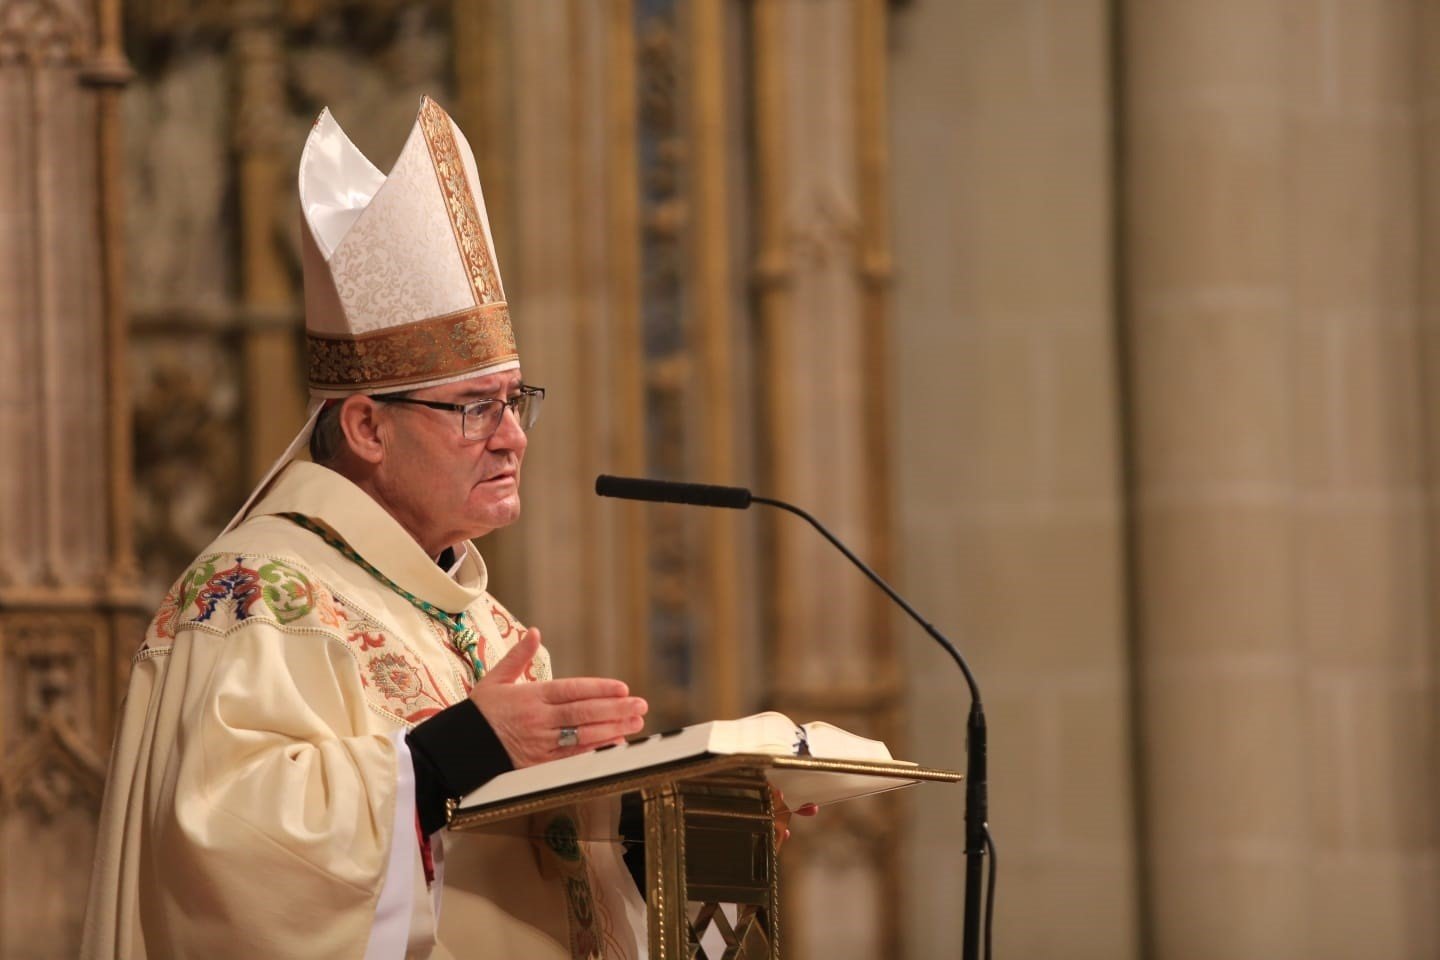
[(445, 347), (401, 285)]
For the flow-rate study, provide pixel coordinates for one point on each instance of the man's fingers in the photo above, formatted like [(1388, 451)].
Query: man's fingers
[(594, 735), (583, 688), (578, 713), (512, 666)]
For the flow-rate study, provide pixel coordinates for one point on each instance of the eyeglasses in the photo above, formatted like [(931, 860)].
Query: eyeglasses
[(479, 419)]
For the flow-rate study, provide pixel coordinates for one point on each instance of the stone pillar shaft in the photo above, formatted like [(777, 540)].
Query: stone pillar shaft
[(67, 571), (1208, 339), (1284, 629)]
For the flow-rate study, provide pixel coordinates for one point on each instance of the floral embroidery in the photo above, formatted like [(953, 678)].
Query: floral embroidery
[(395, 677), (221, 591), (503, 623), (188, 587), (390, 676), (166, 617), (287, 592), (235, 589), (368, 640), (331, 613)]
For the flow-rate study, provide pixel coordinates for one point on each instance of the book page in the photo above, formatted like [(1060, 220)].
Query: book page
[(829, 742)]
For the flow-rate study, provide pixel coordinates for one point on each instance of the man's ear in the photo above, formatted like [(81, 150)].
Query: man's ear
[(360, 422)]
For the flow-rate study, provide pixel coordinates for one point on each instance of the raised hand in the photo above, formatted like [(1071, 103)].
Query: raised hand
[(529, 717)]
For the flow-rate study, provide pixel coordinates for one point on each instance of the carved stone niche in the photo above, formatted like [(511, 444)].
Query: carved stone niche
[(50, 762), (51, 778)]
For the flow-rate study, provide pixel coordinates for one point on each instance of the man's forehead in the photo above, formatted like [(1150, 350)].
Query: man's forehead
[(487, 386)]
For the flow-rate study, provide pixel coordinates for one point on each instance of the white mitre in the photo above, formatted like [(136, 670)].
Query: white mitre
[(402, 290)]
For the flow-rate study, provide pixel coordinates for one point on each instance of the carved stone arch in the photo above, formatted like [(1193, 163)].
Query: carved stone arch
[(42, 33), (52, 771)]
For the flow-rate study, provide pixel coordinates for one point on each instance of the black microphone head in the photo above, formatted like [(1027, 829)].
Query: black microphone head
[(666, 491)]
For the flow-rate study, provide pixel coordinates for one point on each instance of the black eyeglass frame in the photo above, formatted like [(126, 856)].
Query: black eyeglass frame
[(528, 394)]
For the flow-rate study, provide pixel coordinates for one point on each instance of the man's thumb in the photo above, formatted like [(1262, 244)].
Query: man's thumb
[(513, 665)]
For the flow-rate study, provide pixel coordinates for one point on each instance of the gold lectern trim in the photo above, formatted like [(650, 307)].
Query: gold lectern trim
[(462, 819)]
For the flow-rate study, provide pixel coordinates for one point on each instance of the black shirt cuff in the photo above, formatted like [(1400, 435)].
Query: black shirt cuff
[(632, 835), (454, 752)]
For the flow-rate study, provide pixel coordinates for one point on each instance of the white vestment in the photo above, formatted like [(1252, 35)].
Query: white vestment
[(261, 796)]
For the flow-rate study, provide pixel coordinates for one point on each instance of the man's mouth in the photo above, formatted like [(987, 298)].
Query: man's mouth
[(507, 474)]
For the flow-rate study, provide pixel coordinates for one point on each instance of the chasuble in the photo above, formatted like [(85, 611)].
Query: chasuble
[(262, 790)]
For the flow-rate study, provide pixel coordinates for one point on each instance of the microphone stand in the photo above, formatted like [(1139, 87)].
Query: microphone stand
[(977, 832), (977, 802)]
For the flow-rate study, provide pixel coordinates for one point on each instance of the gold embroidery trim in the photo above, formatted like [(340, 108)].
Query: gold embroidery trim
[(460, 203), (445, 346)]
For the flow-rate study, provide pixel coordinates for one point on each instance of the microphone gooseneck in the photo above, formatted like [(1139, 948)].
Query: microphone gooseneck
[(977, 803)]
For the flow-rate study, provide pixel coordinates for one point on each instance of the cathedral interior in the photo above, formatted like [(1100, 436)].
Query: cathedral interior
[(1100, 327)]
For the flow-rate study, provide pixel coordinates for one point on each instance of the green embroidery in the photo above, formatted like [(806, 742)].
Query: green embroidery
[(286, 591), (562, 837), (190, 585), (465, 639)]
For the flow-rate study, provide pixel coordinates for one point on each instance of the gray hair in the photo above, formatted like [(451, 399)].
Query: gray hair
[(328, 440)]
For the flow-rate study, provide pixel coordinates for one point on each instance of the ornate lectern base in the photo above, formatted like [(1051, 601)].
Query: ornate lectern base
[(709, 844), (710, 864)]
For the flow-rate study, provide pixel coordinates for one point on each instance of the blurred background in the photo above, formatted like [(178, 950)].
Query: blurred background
[(1102, 327)]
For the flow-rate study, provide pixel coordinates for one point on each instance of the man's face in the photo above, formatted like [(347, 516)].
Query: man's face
[(441, 486)]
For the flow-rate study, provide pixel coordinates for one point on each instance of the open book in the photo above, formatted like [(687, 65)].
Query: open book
[(768, 733)]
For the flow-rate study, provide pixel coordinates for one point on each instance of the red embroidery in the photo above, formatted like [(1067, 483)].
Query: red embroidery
[(395, 677), (239, 586), (368, 641), (166, 616), (330, 613), (503, 623)]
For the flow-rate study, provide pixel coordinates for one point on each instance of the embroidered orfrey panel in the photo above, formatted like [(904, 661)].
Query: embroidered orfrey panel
[(460, 203), (226, 591)]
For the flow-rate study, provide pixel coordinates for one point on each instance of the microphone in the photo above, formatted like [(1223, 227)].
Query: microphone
[(668, 491), (978, 840)]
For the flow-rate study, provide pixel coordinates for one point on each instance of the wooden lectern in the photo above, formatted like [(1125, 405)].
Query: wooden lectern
[(709, 839)]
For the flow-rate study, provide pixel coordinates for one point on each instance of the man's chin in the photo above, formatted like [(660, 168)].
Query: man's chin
[(498, 515)]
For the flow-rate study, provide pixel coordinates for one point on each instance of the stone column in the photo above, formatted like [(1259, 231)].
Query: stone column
[(556, 156), (67, 571), (274, 397), (1267, 274), (1011, 517), (1280, 411), (821, 275), (1214, 396), (1364, 414)]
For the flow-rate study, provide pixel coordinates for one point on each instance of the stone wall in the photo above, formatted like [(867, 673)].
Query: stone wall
[(1166, 344)]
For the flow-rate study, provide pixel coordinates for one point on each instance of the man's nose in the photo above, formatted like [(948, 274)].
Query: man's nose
[(508, 435)]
